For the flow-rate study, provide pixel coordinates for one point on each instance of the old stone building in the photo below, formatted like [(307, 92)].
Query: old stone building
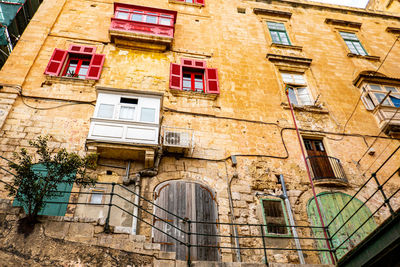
[(185, 102)]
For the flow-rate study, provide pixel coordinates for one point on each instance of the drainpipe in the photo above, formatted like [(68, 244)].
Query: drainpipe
[(291, 219), (137, 180), (234, 227), (287, 87)]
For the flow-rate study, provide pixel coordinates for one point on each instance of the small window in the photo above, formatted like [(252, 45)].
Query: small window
[(275, 217), (298, 92), (353, 43), (193, 75), (76, 62), (96, 196), (278, 33)]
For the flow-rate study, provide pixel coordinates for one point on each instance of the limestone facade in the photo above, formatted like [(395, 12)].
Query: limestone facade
[(250, 118)]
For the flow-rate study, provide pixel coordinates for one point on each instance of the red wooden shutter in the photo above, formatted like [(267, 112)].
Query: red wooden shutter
[(81, 49), (95, 67), (212, 81), (175, 79), (200, 2), (56, 62)]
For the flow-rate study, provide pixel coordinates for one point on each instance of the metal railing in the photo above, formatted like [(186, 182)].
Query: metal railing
[(326, 168), (254, 243), (385, 201)]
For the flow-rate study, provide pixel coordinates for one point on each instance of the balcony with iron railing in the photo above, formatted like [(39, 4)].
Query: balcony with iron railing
[(327, 170)]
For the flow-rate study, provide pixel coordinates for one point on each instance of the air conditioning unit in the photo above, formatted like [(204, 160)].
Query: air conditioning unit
[(177, 139)]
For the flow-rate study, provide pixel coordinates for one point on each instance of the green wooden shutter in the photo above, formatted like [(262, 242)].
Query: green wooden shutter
[(51, 209), (330, 204)]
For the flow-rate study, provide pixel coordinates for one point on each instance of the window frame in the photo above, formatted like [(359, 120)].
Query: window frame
[(278, 31), (295, 86), (193, 74), (373, 92), (78, 67), (114, 99), (132, 10), (101, 191), (353, 41), (266, 233), (60, 60)]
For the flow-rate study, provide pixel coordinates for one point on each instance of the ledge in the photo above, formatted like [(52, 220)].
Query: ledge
[(393, 30), (191, 94), (313, 109), (289, 59), (273, 13), (345, 23), (372, 58), (68, 80), (293, 47), (331, 182)]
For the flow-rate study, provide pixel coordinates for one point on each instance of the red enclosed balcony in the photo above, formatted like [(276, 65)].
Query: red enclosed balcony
[(142, 27)]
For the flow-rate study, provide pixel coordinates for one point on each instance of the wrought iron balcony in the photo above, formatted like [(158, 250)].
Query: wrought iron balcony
[(326, 169)]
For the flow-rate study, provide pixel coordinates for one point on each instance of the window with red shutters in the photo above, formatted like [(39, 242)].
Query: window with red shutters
[(193, 75), (78, 62)]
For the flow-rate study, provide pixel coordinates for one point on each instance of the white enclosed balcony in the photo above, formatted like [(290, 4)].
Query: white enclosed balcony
[(125, 124)]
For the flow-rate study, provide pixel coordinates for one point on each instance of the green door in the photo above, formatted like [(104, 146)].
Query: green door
[(331, 203), (51, 209)]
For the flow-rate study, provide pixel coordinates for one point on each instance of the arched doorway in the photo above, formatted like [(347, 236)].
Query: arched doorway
[(331, 203), (191, 201)]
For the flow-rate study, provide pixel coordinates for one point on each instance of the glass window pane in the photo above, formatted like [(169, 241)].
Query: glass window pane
[(165, 21), (380, 97), (284, 38), (359, 48), (105, 111), (151, 19), (137, 17), (287, 78), (189, 1), (148, 115), (351, 47), (127, 113), (299, 79), (391, 89), (122, 15), (304, 97), (292, 97), (375, 87), (275, 37)]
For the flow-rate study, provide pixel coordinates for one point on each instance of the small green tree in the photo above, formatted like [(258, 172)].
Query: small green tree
[(30, 188)]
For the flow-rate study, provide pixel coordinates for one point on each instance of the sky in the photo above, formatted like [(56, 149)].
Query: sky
[(352, 3)]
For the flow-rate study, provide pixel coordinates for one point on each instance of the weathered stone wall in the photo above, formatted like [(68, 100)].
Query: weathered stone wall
[(249, 118)]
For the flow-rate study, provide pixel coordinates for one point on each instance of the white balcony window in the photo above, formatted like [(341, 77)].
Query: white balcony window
[(126, 118)]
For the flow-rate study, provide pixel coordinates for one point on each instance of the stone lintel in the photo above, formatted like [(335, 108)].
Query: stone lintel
[(289, 60), (272, 13), (345, 23)]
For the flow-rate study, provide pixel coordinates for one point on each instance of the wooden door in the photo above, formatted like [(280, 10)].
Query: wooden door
[(318, 159), (331, 203), (194, 202)]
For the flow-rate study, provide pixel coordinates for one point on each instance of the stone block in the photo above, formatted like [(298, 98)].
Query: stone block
[(164, 263), (56, 229), (80, 231), (152, 246), (167, 255), (137, 238)]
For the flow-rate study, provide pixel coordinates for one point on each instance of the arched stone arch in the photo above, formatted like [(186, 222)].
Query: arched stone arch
[(186, 200), (330, 204)]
